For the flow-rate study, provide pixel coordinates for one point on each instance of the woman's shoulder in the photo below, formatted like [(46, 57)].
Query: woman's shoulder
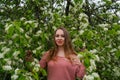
[(75, 59), (73, 55), (45, 54)]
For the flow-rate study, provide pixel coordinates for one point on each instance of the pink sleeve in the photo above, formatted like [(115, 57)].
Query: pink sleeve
[(80, 71), (43, 61)]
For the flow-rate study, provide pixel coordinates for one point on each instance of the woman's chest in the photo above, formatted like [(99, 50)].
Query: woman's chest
[(63, 63)]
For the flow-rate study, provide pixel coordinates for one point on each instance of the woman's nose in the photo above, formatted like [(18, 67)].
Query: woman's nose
[(59, 37)]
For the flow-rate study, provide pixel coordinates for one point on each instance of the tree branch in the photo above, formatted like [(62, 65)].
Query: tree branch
[(67, 7)]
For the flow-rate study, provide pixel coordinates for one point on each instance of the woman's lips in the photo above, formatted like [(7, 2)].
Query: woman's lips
[(59, 42)]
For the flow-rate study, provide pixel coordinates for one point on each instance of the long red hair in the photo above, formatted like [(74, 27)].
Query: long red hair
[(67, 46)]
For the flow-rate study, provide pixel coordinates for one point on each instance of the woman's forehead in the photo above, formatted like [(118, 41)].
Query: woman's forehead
[(59, 31)]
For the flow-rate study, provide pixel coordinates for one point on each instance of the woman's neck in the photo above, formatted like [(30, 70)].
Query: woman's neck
[(61, 52)]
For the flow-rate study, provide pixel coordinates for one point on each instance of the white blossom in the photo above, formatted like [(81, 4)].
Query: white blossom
[(1, 55), (93, 65), (28, 37), (113, 50), (119, 38), (7, 27), (118, 47), (21, 30), (2, 10), (1, 43), (14, 77), (38, 48), (89, 77), (10, 42), (105, 29), (97, 58), (116, 71), (17, 70), (36, 25), (81, 32), (36, 68), (109, 46), (36, 60), (90, 68), (81, 15), (95, 75), (22, 18), (93, 51), (29, 78), (103, 25), (16, 53), (7, 67), (21, 60), (84, 25), (33, 63), (54, 27), (8, 61), (80, 56), (39, 32), (73, 28), (5, 50), (28, 22), (34, 51), (118, 32), (14, 36), (84, 44)]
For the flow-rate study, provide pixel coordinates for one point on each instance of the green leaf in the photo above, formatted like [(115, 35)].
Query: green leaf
[(35, 75), (77, 1), (87, 62), (43, 71), (117, 54), (21, 77), (10, 31)]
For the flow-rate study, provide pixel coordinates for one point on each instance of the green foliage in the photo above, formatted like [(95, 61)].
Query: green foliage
[(29, 25)]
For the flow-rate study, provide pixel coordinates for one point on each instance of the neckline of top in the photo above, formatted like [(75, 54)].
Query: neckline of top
[(61, 56)]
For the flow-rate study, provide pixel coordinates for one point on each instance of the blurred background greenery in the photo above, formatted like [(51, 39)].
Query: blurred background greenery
[(94, 26)]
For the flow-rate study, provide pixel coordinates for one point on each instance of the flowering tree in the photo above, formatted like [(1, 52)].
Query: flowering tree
[(26, 34)]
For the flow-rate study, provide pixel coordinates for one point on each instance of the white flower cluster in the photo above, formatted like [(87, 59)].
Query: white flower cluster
[(29, 22), (93, 76), (14, 77), (17, 74), (15, 54), (27, 36), (7, 27), (4, 50), (15, 35), (1, 55), (93, 51), (26, 74), (7, 67), (36, 65), (92, 65), (8, 61), (104, 26), (81, 32), (116, 71)]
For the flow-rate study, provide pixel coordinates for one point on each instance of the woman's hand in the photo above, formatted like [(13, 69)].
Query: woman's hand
[(75, 60)]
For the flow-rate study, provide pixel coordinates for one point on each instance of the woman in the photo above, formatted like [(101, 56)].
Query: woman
[(61, 61)]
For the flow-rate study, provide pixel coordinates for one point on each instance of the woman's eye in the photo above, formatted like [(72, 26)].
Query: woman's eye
[(56, 35), (62, 36), (59, 36)]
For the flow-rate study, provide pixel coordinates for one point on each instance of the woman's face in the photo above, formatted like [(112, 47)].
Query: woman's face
[(59, 37)]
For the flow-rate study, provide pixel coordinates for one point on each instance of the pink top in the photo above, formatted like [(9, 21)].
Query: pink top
[(62, 69)]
